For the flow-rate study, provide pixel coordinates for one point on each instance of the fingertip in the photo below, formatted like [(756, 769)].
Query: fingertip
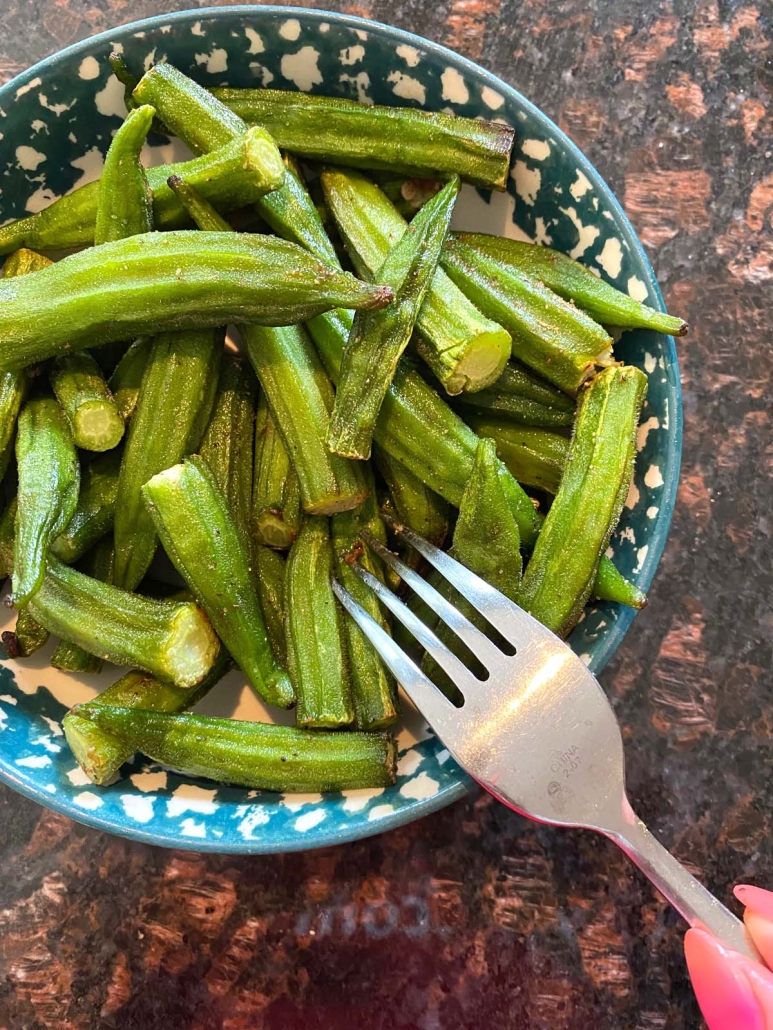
[(725, 996)]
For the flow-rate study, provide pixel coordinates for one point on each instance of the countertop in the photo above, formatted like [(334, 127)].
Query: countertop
[(475, 918)]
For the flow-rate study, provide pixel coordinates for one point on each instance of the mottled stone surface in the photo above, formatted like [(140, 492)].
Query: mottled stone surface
[(475, 918)]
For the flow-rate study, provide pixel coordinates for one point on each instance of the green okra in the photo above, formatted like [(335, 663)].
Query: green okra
[(127, 376), (378, 338), (465, 349), (301, 397), (373, 689), (535, 457), (173, 409), (49, 480), (276, 496), (550, 335), (521, 396), (574, 282), (129, 81), (227, 444), (70, 657), (560, 575), (13, 385), (100, 753), (415, 504), (252, 754), (7, 520), (93, 516), (168, 281), (315, 649), (125, 199), (373, 137), (270, 574), (28, 636), (201, 536), (202, 213), (172, 640), (292, 214), (487, 541), (87, 402), (611, 585), (246, 167)]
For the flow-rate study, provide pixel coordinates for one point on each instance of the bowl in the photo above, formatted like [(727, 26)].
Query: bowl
[(57, 122)]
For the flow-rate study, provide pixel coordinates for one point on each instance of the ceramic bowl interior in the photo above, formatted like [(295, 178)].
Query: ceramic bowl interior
[(56, 121)]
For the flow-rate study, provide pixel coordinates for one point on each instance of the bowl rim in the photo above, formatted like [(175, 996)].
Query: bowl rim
[(612, 639)]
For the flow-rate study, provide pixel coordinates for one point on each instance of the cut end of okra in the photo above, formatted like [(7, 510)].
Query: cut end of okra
[(88, 745), (98, 426), (271, 530), (481, 364), (192, 647)]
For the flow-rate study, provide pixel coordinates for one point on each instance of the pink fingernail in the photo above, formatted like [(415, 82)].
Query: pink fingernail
[(757, 898), (758, 918), (724, 992)]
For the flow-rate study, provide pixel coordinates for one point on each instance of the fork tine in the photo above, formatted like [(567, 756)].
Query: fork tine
[(484, 650), (431, 702), (431, 643), (511, 621)]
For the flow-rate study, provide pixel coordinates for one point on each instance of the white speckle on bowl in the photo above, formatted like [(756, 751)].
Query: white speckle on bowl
[(25, 89), (72, 137), (53, 725), (309, 820), (257, 46), (89, 68), (362, 83), (650, 363), (653, 477), (585, 659), (637, 289), (147, 781), (361, 34), (352, 54), (664, 420), (633, 497), (8, 700), (491, 98), (36, 201), (652, 512), (454, 87), (644, 431), (189, 828), (87, 799), (409, 54), (409, 763), (110, 100), (196, 29), (3, 720), (90, 165), (78, 777), (628, 534), (165, 29), (34, 762), (256, 816), (301, 68), (324, 27), (215, 62), (116, 48), (290, 29), (580, 186), (50, 788), (190, 798), (442, 756), (357, 800), (527, 182), (47, 744), (138, 808), (641, 554), (588, 234), (541, 235), (420, 787), (407, 87), (266, 75), (295, 802), (611, 257), (379, 812), (58, 109), (539, 149)]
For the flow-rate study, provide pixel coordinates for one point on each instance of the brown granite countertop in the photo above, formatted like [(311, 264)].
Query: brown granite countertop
[(475, 918)]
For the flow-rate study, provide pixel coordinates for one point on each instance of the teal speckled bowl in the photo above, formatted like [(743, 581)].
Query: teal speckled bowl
[(56, 122)]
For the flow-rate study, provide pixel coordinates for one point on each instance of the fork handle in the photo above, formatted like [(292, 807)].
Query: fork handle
[(688, 896)]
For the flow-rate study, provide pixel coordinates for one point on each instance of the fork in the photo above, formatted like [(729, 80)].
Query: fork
[(538, 733)]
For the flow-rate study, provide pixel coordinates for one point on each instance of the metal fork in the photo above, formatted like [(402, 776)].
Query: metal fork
[(538, 733)]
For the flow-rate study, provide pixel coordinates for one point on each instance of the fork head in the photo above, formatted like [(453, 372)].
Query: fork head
[(538, 731)]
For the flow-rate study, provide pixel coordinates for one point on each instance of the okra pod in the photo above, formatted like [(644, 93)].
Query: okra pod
[(258, 755), (202, 213), (560, 575), (574, 282), (416, 505), (373, 689), (227, 445), (70, 657), (173, 408), (86, 400), (611, 585), (7, 520), (202, 538), (276, 497), (49, 479), (465, 349), (125, 199), (93, 516), (172, 640), (247, 166), (28, 636), (292, 214), (301, 398), (520, 396), (127, 376), (535, 457), (100, 753), (270, 574), (13, 385), (168, 281), (378, 338), (550, 335), (315, 651)]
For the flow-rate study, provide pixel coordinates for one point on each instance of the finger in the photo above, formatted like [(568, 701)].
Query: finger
[(721, 986), (758, 918)]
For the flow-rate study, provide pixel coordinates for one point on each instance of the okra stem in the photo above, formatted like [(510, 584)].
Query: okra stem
[(125, 200), (198, 207), (126, 379), (276, 498), (270, 574), (611, 585), (418, 507), (81, 389), (27, 637), (535, 457)]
